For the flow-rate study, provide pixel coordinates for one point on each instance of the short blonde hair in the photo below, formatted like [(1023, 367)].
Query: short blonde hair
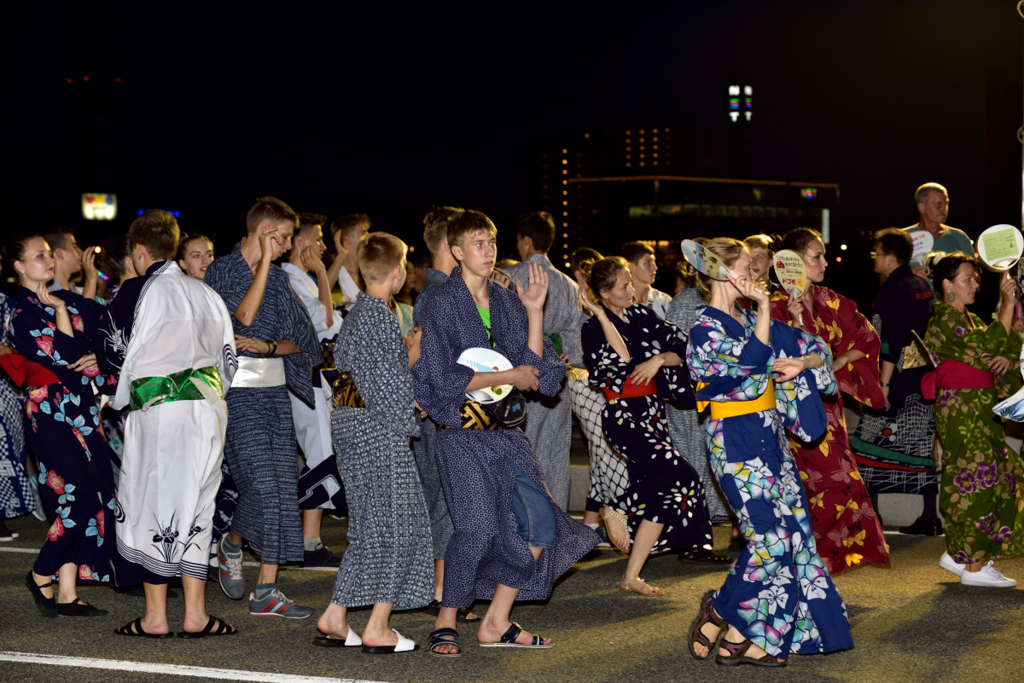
[(378, 255)]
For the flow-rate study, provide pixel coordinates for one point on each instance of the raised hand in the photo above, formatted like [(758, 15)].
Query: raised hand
[(748, 288), (1008, 287), (267, 237), (311, 259), (342, 251), (588, 303), (48, 299), (89, 263), (533, 299), (795, 305)]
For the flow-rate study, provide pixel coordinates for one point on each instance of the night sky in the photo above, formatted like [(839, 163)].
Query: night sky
[(385, 109)]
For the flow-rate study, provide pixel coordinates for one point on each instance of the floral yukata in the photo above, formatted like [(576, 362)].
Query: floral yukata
[(74, 462), (15, 493), (981, 490), (663, 487), (779, 593), (845, 525)]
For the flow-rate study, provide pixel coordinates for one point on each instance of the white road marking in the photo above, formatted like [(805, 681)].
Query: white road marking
[(168, 669)]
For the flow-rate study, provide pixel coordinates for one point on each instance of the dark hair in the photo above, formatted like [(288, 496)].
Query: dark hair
[(435, 226), (897, 243), (539, 227), (582, 259), (309, 220), (158, 232), (57, 237), (111, 259), (634, 251), (604, 273), (687, 273), (271, 210), (14, 250), (186, 239), (946, 269), (348, 222), (466, 223), (797, 239)]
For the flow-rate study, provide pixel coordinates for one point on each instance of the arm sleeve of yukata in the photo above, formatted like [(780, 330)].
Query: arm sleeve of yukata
[(440, 382), (859, 379), (732, 369), (380, 367), (109, 353), (798, 401), (314, 307), (218, 278), (514, 338), (607, 369), (34, 337)]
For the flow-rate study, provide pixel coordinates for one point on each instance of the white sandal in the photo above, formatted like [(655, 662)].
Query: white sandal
[(404, 645)]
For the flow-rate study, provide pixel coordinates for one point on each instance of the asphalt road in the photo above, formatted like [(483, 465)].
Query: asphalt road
[(913, 622)]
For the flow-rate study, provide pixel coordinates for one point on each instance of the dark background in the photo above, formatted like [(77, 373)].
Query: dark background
[(390, 109)]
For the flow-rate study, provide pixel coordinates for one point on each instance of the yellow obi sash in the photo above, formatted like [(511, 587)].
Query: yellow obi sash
[(723, 409)]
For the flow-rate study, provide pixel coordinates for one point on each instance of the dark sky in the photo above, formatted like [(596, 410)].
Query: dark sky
[(380, 107)]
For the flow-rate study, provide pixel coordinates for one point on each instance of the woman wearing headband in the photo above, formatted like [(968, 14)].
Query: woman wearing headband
[(760, 379)]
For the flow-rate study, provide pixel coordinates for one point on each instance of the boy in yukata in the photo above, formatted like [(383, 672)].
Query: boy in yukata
[(511, 540)]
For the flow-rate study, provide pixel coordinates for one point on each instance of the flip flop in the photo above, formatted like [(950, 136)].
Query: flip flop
[(138, 632), (223, 629), (508, 639), (351, 640), (404, 645)]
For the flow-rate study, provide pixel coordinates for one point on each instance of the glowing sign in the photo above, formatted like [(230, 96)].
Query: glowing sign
[(808, 192), (175, 213), (97, 206)]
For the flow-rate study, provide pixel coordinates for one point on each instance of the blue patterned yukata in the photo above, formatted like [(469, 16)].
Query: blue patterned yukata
[(779, 593), (260, 448), (663, 487), (424, 445), (388, 558), (476, 466), (73, 460), (15, 493)]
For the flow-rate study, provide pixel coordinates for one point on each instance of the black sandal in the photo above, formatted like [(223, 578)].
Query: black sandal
[(437, 638), (707, 616), (738, 652), (77, 608), (47, 606), (223, 629), (135, 630)]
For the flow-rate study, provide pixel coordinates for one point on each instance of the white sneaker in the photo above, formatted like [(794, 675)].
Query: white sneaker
[(951, 565), (988, 576)]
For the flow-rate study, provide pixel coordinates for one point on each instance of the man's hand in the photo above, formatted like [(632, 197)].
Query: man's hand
[(526, 378), (533, 299), (338, 246), (251, 345), (267, 237), (89, 264), (311, 260)]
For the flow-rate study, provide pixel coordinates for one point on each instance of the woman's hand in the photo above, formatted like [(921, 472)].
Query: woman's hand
[(588, 303), (1008, 288), (795, 305), (84, 363), (748, 288), (998, 365), (646, 371), (840, 363), (533, 299), (48, 299), (526, 377), (788, 368), (251, 345)]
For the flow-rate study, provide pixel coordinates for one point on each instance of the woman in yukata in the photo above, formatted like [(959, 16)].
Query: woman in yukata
[(846, 527), (53, 331), (760, 379), (633, 356)]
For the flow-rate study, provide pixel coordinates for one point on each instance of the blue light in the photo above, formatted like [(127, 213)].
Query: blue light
[(141, 211), (177, 214)]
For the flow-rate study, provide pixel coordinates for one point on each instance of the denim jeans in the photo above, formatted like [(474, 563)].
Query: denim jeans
[(531, 505)]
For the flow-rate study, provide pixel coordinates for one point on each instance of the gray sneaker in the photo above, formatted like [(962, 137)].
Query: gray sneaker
[(229, 571), (275, 604)]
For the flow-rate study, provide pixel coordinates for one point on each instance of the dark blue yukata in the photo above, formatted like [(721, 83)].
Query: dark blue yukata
[(74, 462), (476, 466), (261, 448)]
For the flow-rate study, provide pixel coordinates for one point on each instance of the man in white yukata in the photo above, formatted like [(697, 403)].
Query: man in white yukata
[(349, 230), (319, 481), (171, 338)]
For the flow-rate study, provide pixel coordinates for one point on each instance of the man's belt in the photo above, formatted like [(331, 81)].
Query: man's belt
[(724, 409), (187, 385), (473, 416), (256, 373)]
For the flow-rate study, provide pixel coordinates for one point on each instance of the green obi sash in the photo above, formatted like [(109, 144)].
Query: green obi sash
[(187, 385)]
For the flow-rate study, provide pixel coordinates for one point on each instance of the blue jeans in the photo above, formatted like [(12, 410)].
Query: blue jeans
[(531, 505)]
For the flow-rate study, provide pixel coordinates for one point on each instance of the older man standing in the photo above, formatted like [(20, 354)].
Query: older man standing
[(549, 418), (933, 208)]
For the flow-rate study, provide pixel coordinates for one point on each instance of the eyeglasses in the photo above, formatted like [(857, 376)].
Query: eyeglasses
[(876, 254)]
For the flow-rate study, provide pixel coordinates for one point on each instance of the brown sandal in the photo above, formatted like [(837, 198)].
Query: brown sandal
[(707, 615), (738, 652)]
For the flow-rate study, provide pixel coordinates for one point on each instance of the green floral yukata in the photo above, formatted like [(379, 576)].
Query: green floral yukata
[(981, 492)]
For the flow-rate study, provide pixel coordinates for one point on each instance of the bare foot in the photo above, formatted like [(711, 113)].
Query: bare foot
[(709, 631), (194, 623), (157, 626), (491, 633), (332, 622), (379, 638), (637, 585), (618, 531)]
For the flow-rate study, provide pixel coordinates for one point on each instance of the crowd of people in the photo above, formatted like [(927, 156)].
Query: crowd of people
[(166, 397)]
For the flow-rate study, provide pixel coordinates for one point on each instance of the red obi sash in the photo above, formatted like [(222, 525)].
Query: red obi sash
[(26, 373), (952, 374), (631, 390)]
